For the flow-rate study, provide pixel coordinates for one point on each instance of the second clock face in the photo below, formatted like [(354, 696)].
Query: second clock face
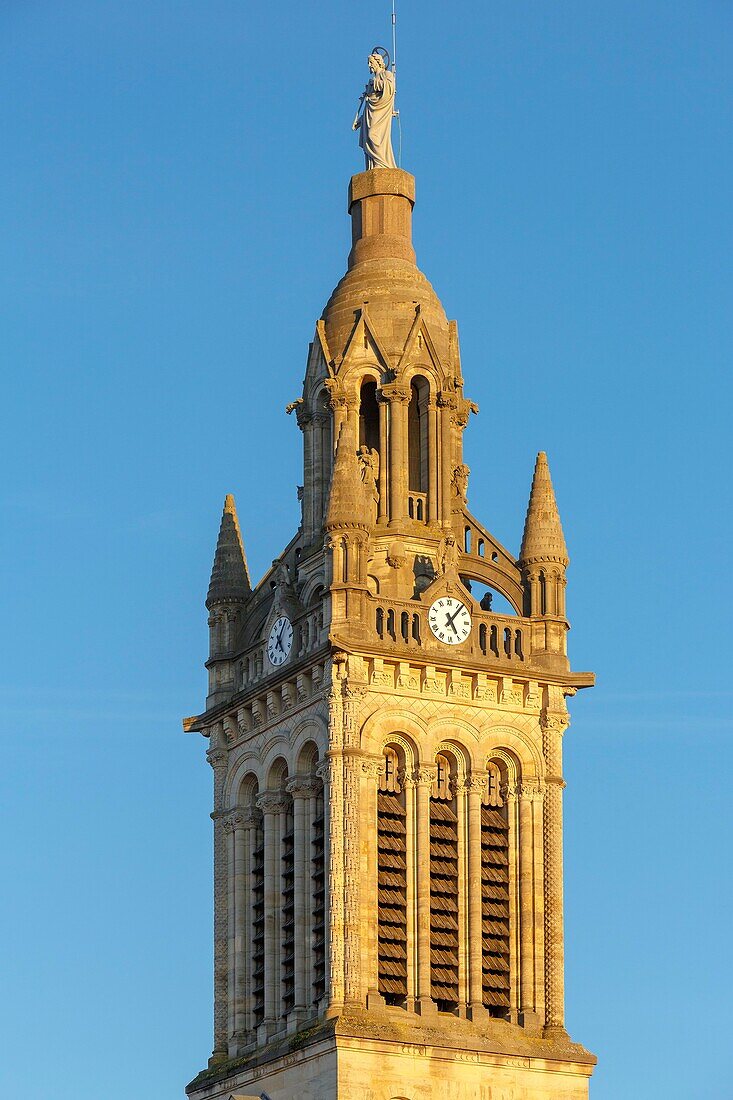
[(450, 620), (280, 641)]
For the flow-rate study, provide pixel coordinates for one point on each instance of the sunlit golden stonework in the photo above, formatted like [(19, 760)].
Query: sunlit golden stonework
[(387, 749)]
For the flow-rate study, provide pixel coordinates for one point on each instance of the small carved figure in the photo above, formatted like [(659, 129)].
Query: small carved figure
[(447, 554), (369, 465), (373, 117), (460, 480)]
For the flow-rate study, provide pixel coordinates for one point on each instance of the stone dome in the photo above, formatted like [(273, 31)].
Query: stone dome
[(382, 271)]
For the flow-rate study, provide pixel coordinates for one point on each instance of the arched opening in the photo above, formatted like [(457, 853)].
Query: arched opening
[(369, 416), (312, 880), (417, 435), (285, 919), (444, 885), (392, 878)]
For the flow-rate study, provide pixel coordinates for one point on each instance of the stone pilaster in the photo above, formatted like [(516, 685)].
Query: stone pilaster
[(304, 791), (475, 788), (218, 758), (423, 779), (553, 726), (274, 805), (530, 800)]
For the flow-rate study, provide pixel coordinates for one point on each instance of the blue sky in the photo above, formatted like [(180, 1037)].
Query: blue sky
[(173, 217)]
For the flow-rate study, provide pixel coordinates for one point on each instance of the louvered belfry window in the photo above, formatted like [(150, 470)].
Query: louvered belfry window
[(392, 883), (318, 873), (495, 896), (258, 927), (288, 912), (443, 889)]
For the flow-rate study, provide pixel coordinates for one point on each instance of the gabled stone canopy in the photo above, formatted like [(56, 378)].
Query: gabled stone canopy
[(543, 539), (347, 504), (229, 575)]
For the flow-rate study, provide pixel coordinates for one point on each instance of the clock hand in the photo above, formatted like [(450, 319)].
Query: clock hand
[(452, 617), (449, 622)]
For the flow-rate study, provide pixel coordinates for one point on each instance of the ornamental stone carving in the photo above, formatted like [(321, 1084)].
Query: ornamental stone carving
[(273, 802)]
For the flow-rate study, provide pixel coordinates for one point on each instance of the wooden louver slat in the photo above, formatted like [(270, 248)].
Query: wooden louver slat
[(443, 903), (495, 909), (392, 896)]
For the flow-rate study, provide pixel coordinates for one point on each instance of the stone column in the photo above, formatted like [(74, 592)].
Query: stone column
[(461, 796), (328, 772), (433, 508), (553, 726), (424, 779), (530, 792), (371, 770), (274, 806), (383, 484), (218, 758), (475, 787), (446, 403), (240, 826), (398, 397), (304, 790)]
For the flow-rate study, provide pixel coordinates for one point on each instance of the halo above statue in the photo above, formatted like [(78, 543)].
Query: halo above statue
[(384, 54)]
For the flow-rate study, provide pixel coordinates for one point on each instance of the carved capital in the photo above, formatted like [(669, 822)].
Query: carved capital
[(424, 776), (324, 771), (473, 784), (217, 758), (241, 818), (531, 789), (304, 786), (372, 768), (394, 391), (273, 802), (554, 721)]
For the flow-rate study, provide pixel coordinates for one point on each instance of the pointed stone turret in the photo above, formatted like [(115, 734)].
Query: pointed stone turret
[(229, 575), (347, 498), (543, 540)]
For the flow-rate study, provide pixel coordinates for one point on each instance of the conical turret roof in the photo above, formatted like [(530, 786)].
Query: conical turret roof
[(543, 539), (229, 574), (347, 504)]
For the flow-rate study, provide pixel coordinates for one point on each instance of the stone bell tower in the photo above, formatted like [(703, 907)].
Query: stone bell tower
[(386, 747)]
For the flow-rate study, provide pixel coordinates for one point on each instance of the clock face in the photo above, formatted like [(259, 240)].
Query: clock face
[(450, 620), (280, 641)]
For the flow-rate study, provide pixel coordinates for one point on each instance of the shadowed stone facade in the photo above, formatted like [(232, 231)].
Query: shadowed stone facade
[(386, 748)]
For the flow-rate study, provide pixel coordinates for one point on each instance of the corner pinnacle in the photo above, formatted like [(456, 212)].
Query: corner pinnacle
[(229, 574), (543, 539)]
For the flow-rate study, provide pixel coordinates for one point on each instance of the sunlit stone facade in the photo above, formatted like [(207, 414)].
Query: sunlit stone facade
[(388, 782)]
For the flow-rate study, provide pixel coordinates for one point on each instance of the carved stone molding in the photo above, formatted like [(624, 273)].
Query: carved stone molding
[(241, 818), (554, 721), (533, 790), (422, 777), (217, 758), (473, 784), (273, 802), (372, 768), (304, 786)]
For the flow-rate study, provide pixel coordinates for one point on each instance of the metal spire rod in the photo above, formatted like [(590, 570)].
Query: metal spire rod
[(396, 112)]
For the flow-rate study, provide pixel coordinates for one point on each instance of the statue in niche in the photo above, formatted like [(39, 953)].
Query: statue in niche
[(447, 554), (460, 480), (369, 465), (373, 117)]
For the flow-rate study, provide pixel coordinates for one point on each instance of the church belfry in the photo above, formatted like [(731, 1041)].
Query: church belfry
[(386, 745)]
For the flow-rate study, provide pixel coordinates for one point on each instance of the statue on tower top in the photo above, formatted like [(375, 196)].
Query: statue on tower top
[(373, 117)]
